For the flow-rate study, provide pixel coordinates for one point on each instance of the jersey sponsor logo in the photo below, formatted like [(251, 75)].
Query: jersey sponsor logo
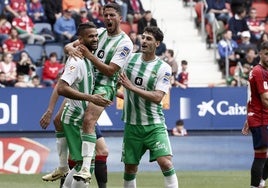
[(22, 156), (100, 54), (125, 52), (138, 81)]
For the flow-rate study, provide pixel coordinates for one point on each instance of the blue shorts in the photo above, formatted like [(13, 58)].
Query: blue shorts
[(98, 132), (260, 137)]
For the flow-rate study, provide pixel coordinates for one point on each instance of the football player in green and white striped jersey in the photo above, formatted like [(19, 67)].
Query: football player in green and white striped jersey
[(77, 84), (146, 80), (115, 48)]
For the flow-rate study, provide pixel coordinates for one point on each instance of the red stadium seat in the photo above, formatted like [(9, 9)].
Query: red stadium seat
[(125, 26)]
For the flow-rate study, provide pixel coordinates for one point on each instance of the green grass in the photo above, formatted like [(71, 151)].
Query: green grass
[(187, 179)]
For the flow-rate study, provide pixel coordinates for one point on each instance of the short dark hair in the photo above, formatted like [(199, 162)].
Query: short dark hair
[(264, 45), (171, 52), (53, 54), (115, 6), (156, 32), (180, 122), (184, 62), (86, 25)]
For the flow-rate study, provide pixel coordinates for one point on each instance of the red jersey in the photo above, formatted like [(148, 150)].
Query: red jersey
[(25, 24), (5, 28), (258, 82), (13, 46), (183, 78), (51, 70)]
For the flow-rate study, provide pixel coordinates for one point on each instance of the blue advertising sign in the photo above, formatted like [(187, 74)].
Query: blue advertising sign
[(222, 108)]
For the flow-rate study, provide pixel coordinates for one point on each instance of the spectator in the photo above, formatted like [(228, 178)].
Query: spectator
[(5, 27), (12, 8), (73, 5), (9, 68), (25, 66), (53, 10), (95, 9), (216, 9), (226, 49), (82, 17), (182, 78), (245, 44), (250, 58), (161, 49), (85, 16), (135, 11), (238, 23), (13, 45), (36, 82), (170, 59), (21, 81), (146, 20), (241, 74), (51, 70), (65, 28), (3, 82), (36, 11), (179, 129), (256, 26), (25, 27), (136, 41), (264, 37)]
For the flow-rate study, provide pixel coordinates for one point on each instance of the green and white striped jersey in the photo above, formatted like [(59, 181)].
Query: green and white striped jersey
[(150, 76), (79, 74), (116, 49)]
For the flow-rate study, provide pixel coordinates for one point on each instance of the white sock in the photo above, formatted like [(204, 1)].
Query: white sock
[(62, 149), (171, 181), (130, 184), (88, 149), (79, 184), (69, 178)]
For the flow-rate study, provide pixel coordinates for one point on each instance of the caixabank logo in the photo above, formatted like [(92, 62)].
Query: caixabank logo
[(224, 108), (210, 107)]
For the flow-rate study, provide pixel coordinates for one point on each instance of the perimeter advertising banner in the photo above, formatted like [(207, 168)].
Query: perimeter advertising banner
[(222, 108)]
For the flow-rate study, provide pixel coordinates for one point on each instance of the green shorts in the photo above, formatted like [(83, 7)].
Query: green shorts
[(138, 139), (74, 140), (109, 91)]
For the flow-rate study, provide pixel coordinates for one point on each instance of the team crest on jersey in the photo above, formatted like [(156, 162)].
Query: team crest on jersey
[(265, 85), (72, 68), (100, 54), (125, 52)]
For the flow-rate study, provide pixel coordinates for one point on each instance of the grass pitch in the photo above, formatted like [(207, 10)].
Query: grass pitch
[(187, 179)]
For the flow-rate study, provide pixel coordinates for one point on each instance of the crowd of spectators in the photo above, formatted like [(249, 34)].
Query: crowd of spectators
[(19, 22), (240, 27)]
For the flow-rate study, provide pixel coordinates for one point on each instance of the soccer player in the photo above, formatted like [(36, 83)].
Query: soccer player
[(257, 117), (77, 83), (146, 80), (62, 148), (113, 51)]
